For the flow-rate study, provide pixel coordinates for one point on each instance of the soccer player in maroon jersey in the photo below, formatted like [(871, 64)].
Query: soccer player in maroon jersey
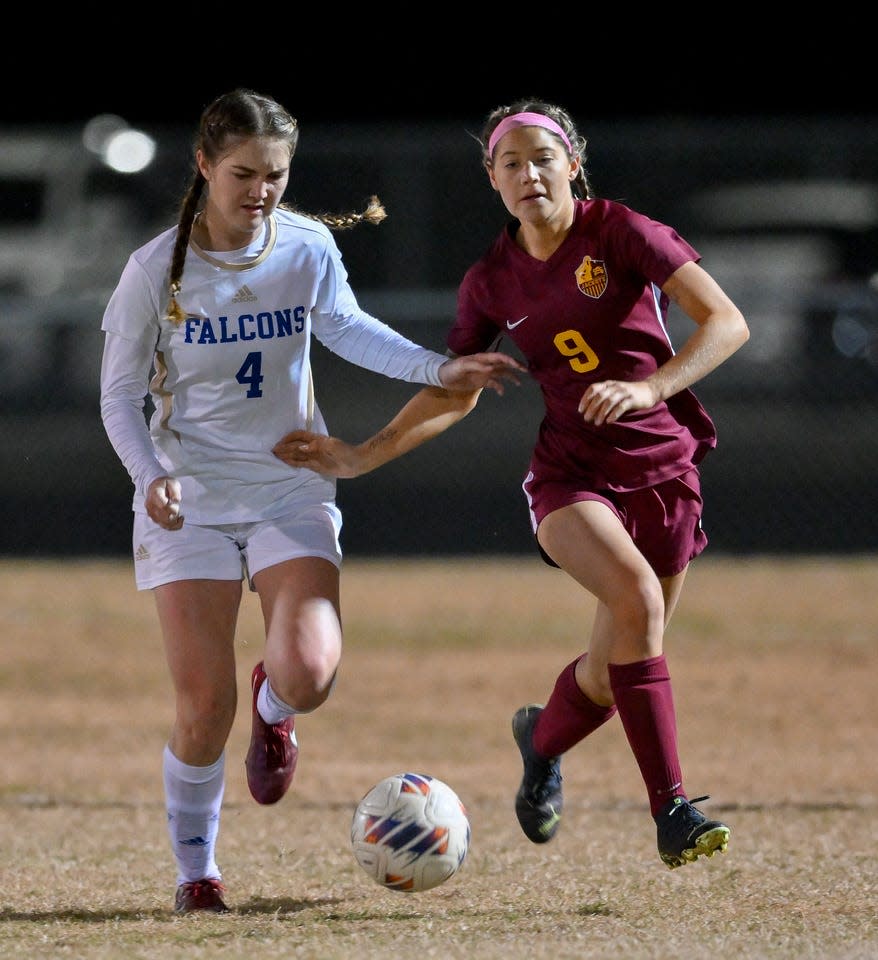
[(583, 287)]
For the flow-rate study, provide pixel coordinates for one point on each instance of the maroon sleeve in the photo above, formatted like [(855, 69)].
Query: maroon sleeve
[(473, 329)]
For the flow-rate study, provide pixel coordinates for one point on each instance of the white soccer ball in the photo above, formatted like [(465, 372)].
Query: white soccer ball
[(410, 832)]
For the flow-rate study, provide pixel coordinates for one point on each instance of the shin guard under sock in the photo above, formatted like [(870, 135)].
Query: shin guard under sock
[(568, 717), (193, 799), (646, 707)]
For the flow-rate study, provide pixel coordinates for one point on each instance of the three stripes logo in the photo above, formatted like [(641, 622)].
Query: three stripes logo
[(244, 295)]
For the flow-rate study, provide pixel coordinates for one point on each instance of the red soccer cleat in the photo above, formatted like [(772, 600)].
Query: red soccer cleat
[(198, 895), (271, 758)]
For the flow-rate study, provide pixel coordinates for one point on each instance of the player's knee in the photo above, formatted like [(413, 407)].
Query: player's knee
[(308, 686), (315, 695)]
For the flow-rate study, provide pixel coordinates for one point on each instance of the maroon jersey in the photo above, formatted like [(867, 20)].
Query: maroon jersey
[(593, 311)]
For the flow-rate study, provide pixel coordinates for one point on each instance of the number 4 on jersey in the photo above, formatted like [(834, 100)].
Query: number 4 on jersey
[(250, 374)]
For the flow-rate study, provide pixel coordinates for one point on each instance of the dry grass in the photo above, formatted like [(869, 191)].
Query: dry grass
[(774, 663)]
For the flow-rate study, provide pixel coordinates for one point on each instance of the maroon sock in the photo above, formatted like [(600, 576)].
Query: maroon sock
[(646, 707), (568, 717)]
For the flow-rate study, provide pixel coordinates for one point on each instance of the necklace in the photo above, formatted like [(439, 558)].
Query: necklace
[(245, 259)]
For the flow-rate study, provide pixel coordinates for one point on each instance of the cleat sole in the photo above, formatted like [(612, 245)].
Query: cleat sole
[(711, 842)]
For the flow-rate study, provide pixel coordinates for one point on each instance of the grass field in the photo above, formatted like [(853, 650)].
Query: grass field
[(774, 664)]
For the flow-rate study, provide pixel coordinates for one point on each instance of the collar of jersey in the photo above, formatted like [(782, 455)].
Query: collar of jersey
[(270, 239)]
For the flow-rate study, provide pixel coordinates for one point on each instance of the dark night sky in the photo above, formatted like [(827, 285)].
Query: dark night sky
[(385, 98), (169, 76)]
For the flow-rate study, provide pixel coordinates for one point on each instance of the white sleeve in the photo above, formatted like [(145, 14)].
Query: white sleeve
[(125, 370), (342, 326), (124, 377)]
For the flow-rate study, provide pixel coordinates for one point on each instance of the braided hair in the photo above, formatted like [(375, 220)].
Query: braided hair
[(231, 118), (580, 184)]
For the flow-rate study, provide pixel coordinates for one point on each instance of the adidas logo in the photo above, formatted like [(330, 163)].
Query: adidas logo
[(141, 553), (244, 295)]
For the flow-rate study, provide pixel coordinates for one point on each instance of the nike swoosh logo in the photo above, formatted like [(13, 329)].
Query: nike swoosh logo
[(548, 825), (512, 326)]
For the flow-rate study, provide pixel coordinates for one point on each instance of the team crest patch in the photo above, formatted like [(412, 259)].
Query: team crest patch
[(591, 277)]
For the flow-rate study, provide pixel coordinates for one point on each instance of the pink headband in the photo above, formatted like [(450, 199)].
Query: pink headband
[(525, 120)]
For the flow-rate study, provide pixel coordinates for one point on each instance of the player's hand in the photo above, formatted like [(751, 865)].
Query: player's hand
[(605, 402), (163, 503), (479, 370), (317, 452)]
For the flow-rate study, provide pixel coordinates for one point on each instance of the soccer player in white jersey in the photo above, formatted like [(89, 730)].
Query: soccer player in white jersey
[(215, 317)]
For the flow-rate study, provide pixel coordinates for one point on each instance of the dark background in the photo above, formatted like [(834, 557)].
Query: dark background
[(670, 130), (434, 64)]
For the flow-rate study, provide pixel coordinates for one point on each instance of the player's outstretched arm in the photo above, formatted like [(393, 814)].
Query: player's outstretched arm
[(429, 413), (479, 370)]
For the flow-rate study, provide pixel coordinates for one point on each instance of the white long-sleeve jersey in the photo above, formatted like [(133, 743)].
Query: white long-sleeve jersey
[(235, 376)]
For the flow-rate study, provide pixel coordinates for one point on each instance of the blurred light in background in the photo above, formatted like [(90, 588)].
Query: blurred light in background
[(119, 147)]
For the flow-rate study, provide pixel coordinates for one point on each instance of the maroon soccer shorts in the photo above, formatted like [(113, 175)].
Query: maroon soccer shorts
[(664, 521)]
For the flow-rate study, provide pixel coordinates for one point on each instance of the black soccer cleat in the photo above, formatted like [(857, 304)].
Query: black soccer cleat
[(685, 834), (539, 800)]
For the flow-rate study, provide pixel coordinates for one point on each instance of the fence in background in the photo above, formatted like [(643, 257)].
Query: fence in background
[(785, 214)]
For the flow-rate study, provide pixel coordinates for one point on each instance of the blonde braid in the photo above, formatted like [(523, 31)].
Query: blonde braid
[(374, 213), (188, 208)]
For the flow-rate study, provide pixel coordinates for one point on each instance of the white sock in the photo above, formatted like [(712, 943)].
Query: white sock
[(193, 798), (270, 706), (273, 710)]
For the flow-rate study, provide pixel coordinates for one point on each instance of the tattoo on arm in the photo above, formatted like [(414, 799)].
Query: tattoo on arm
[(382, 437)]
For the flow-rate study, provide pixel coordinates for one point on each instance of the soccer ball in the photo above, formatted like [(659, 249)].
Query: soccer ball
[(410, 832)]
